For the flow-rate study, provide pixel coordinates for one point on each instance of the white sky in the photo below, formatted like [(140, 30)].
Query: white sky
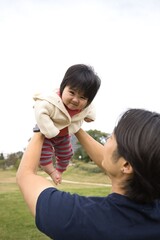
[(40, 39)]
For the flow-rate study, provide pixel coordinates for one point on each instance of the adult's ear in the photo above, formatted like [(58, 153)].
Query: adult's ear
[(127, 168)]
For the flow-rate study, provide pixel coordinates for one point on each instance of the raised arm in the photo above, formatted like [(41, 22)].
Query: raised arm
[(30, 184), (93, 148)]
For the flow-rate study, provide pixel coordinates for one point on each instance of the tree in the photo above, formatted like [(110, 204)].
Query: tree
[(11, 160), (1, 156), (2, 161), (80, 153)]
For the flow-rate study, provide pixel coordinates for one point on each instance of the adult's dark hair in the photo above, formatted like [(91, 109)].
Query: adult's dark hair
[(138, 141), (82, 78)]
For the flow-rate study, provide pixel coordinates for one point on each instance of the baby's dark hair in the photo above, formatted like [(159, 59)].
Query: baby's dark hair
[(83, 79)]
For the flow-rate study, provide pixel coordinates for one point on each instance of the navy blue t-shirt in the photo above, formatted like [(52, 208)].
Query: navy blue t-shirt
[(64, 216)]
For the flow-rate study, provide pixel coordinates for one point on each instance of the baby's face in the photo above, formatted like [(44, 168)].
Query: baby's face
[(73, 99)]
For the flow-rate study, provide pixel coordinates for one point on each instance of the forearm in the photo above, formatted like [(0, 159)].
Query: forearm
[(31, 156), (93, 148), (30, 184)]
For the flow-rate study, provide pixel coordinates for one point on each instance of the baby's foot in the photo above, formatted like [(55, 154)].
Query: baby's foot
[(56, 177)]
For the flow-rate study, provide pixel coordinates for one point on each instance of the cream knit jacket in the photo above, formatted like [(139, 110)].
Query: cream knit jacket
[(52, 116)]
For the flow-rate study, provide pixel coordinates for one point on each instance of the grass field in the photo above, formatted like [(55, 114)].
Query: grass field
[(16, 222)]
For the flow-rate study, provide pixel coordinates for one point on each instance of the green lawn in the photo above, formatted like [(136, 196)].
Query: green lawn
[(16, 222)]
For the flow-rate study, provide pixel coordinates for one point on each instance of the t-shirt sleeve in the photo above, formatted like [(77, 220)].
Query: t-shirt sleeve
[(57, 212)]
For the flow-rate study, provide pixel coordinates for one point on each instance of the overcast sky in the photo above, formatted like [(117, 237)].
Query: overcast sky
[(40, 39)]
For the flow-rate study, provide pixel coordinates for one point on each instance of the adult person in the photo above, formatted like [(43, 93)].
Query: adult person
[(131, 158), (61, 113)]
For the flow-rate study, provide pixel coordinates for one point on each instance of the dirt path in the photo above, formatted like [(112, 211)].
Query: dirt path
[(13, 180), (87, 183), (84, 183)]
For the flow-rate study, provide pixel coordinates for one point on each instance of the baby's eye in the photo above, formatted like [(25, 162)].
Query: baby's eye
[(84, 98), (71, 92)]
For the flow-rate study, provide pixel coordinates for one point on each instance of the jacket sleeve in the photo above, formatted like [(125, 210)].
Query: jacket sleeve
[(91, 112), (43, 110)]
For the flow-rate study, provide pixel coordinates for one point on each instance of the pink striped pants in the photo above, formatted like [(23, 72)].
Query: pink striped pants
[(59, 148)]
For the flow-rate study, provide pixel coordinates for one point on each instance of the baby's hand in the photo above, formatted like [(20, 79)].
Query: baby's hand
[(88, 119)]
